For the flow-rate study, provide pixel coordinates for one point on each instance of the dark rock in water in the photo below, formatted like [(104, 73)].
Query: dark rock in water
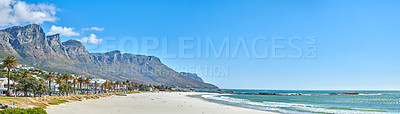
[(345, 93), (30, 45), (269, 94)]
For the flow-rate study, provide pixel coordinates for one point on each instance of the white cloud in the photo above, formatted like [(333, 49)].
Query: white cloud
[(93, 29), (14, 12), (91, 39), (63, 31)]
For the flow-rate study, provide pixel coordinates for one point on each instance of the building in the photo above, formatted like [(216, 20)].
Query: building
[(98, 80), (35, 76), (25, 67), (4, 85)]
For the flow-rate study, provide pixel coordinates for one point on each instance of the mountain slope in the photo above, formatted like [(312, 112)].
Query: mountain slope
[(30, 45), (192, 75)]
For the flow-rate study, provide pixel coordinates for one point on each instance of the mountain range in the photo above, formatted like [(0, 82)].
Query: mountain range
[(30, 45)]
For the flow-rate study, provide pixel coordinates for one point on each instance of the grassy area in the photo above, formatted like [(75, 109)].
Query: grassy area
[(35, 110), (41, 105), (26, 102), (22, 102), (19, 101), (56, 102)]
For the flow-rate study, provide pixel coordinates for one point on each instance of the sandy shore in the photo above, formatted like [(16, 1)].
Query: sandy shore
[(149, 103)]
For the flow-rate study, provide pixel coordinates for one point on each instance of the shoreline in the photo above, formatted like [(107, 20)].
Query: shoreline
[(150, 103)]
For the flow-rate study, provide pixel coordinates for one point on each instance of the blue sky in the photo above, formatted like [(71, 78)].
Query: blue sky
[(357, 41)]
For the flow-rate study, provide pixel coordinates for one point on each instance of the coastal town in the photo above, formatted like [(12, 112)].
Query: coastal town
[(28, 81), (79, 81)]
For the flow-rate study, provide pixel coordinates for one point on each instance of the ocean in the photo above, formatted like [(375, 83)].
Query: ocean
[(312, 101)]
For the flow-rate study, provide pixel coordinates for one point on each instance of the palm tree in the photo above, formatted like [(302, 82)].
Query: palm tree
[(81, 80), (127, 82), (87, 82), (111, 86), (132, 84), (105, 86), (136, 85), (102, 87), (74, 81), (107, 83), (8, 63), (117, 85), (162, 86), (124, 84), (66, 77), (95, 87), (50, 77), (59, 82), (65, 88), (26, 74)]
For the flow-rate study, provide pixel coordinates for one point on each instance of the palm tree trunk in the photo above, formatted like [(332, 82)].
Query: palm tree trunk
[(50, 86), (74, 89), (80, 87), (59, 91), (87, 89), (8, 80), (105, 87), (15, 89)]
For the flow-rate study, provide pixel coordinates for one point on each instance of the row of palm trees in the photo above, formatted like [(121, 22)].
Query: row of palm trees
[(85, 84), (66, 81)]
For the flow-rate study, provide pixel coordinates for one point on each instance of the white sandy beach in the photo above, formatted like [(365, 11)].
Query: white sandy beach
[(150, 103)]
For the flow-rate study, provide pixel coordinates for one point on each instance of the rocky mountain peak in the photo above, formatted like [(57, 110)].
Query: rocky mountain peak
[(55, 36), (75, 50), (35, 28), (114, 52), (54, 39), (73, 43)]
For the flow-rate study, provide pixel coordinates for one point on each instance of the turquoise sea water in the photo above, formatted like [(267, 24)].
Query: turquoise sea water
[(313, 101)]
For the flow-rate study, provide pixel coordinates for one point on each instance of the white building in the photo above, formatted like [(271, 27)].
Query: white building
[(25, 67), (35, 76), (4, 85), (98, 80)]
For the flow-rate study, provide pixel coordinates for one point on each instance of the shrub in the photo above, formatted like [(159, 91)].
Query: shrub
[(35, 110)]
